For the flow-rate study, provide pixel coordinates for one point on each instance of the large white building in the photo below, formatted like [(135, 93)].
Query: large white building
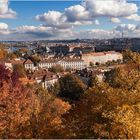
[(101, 57), (65, 63), (71, 63), (48, 63)]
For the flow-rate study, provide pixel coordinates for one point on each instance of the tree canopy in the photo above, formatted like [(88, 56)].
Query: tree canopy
[(110, 109), (56, 69), (71, 87), (3, 52), (19, 68), (28, 112)]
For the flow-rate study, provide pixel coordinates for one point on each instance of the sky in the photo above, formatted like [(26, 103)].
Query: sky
[(86, 19)]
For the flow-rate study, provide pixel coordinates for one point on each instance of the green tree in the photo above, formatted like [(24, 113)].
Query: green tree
[(91, 64), (71, 87), (35, 59), (68, 69), (56, 89), (56, 69), (97, 64), (93, 81)]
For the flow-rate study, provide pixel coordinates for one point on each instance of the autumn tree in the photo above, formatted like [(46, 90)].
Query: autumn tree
[(104, 112), (20, 52), (35, 59), (19, 68), (16, 103), (56, 89), (3, 52), (28, 112), (56, 69), (12, 55), (68, 69), (131, 57), (93, 80), (23, 50), (71, 87), (48, 124), (122, 77), (91, 64), (107, 110)]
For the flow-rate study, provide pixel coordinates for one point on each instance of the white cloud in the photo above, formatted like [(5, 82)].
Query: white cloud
[(134, 17), (110, 8), (3, 26), (126, 27), (26, 28), (3, 6), (97, 22), (88, 11), (129, 30), (59, 25), (98, 34), (4, 29), (65, 20), (5, 11), (40, 32), (34, 33), (51, 18), (76, 13), (115, 20), (54, 19)]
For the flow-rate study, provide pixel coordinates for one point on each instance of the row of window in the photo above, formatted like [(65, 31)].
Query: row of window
[(49, 65), (62, 64)]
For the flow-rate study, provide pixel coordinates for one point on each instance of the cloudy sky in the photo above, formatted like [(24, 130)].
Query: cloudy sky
[(33, 20)]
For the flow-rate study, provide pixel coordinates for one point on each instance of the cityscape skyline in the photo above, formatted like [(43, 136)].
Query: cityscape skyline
[(35, 20)]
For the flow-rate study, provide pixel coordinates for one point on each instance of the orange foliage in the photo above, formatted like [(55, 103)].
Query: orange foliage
[(26, 114)]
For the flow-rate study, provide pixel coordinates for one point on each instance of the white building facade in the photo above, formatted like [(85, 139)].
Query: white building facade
[(66, 64), (28, 64), (48, 82), (101, 57)]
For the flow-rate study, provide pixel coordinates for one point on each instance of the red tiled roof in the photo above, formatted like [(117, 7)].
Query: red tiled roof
[(57, 60), (100, 53), (28, 62), (40, 74)]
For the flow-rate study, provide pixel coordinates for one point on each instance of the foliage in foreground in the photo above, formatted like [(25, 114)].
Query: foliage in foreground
[(109, 109), (27, 112)]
